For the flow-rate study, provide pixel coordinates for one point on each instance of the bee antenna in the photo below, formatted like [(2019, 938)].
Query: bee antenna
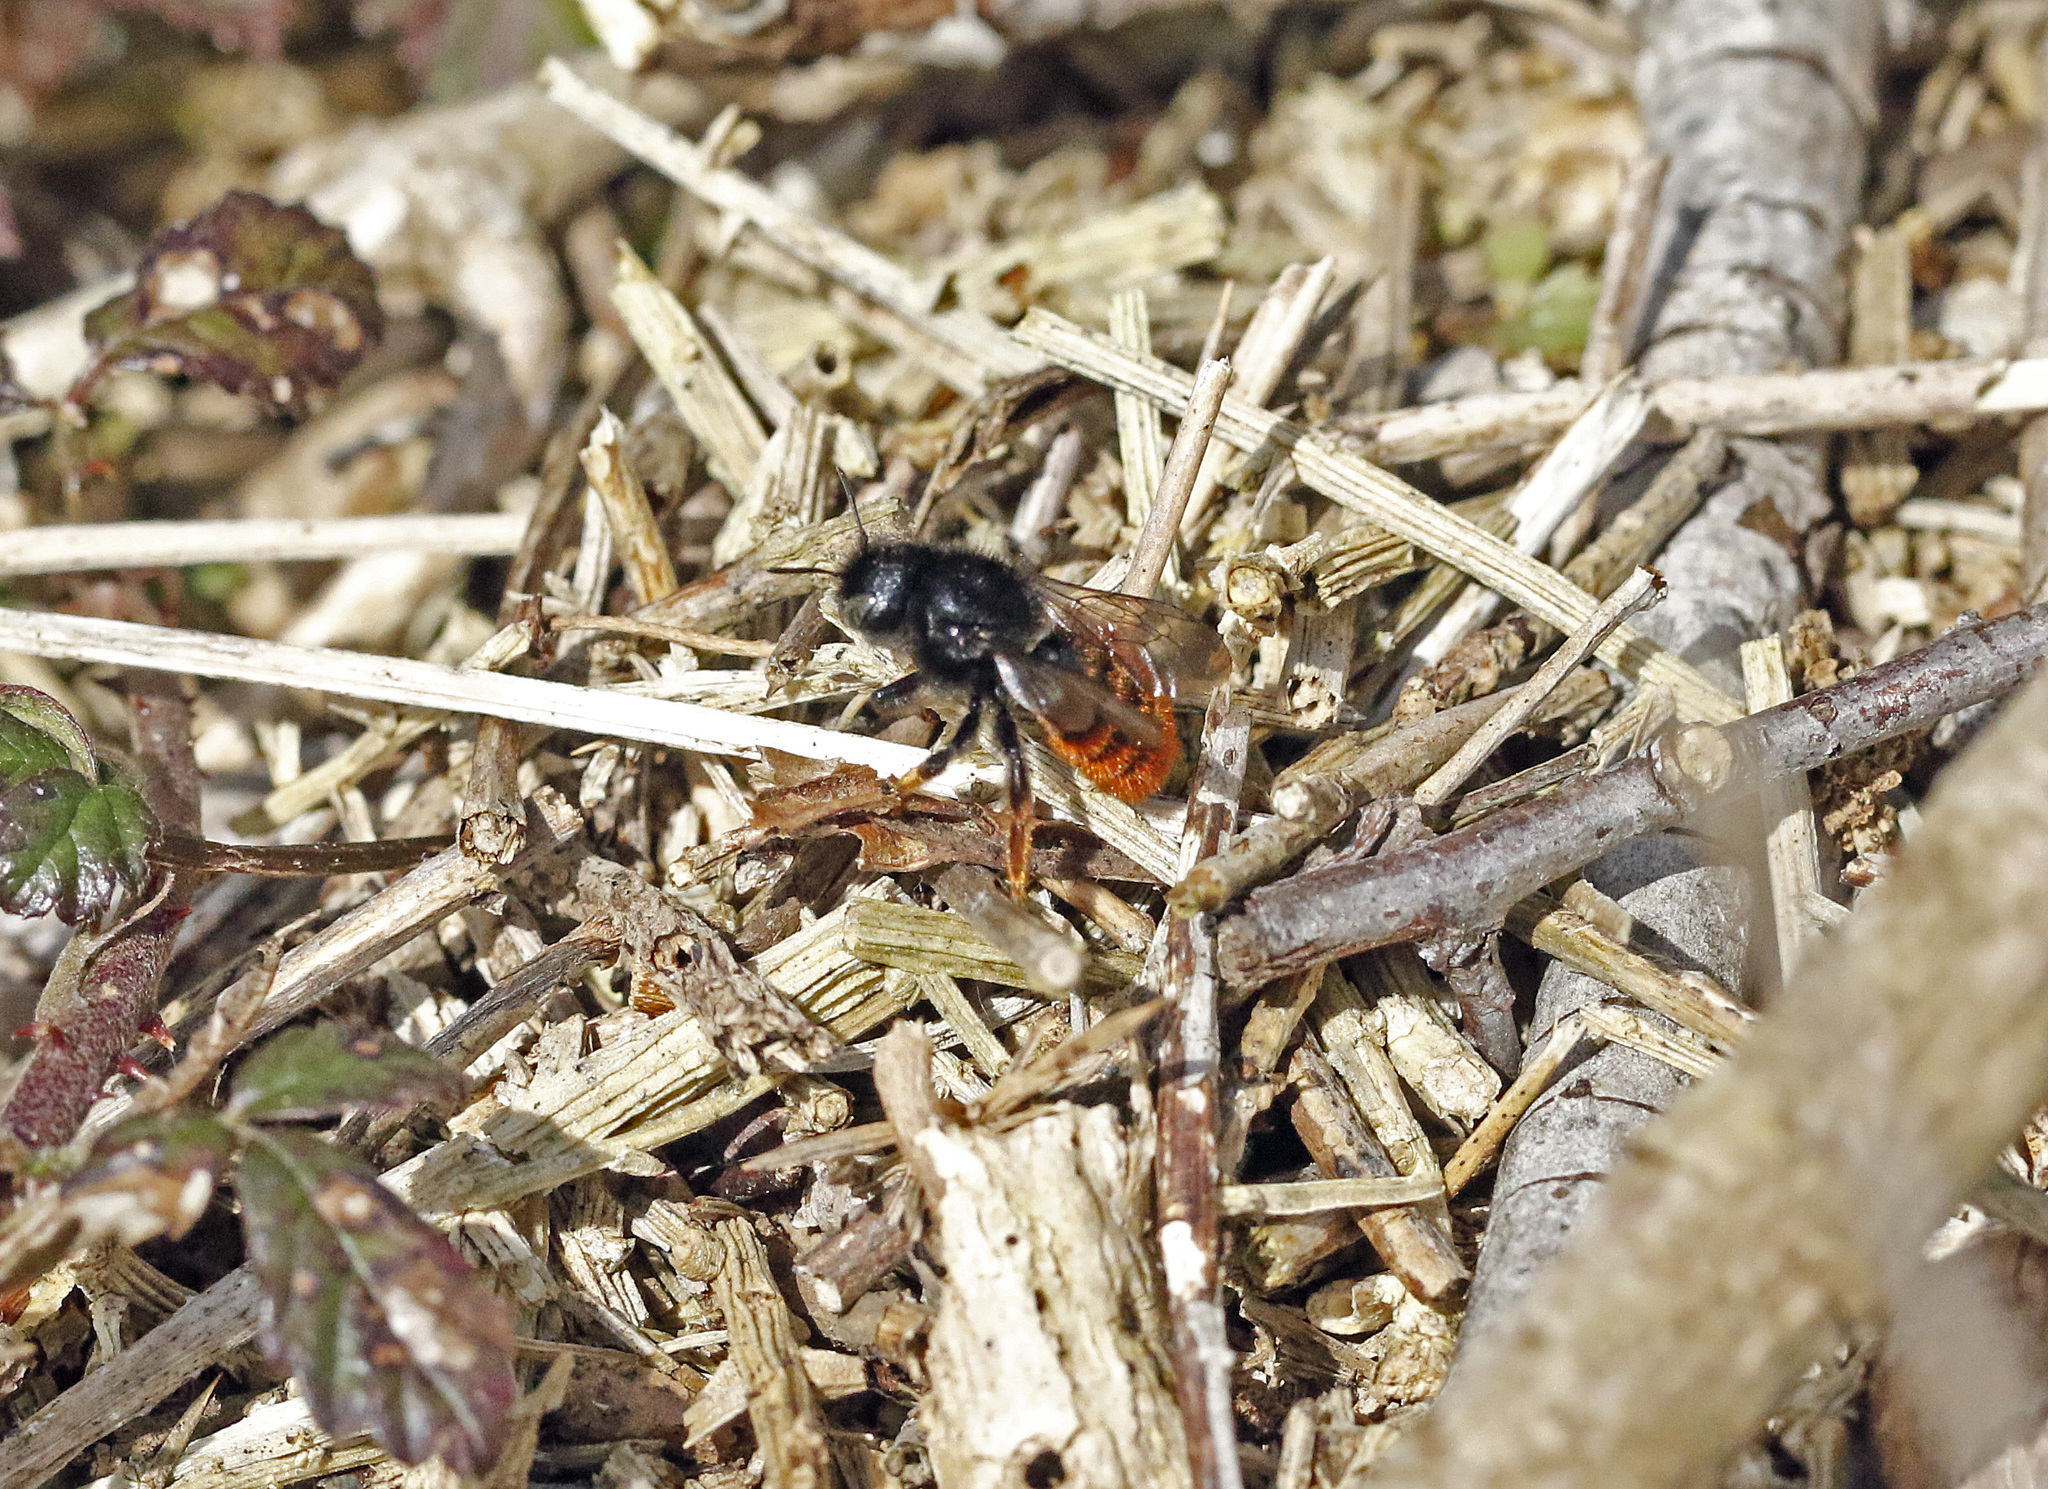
[(853, 506)]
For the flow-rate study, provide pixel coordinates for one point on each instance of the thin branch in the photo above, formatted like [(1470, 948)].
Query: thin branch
[(1190, 1086), (1177, 480), (1792, 1195), (293, 860), (1468, 879), (1612, 333), (1640, 591), (72, 548), (1325, 464), (528, 700)]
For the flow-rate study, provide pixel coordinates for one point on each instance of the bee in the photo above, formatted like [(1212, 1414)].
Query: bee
[(1099, 671)]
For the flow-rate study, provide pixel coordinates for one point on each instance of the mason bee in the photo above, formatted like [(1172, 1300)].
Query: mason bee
[(1099, 671)]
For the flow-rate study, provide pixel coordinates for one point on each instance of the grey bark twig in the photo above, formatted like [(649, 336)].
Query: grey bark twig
[(1468, 879), (1692, 1293), (1189, 1103)]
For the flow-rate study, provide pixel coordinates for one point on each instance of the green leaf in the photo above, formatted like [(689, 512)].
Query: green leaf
[(1517, 250), (252, 296), (73, 835), (386, 1327), (319, 1071), (45, 735), (1556, 317)]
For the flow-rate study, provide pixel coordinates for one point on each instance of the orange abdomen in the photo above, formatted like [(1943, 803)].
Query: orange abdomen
[(1120, 765)]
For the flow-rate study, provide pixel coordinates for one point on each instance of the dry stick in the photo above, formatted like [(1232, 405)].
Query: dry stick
[(492, 818), (1190, 1089), (423, 684), (204, 1330), (293, 860), (1051, 958), (1571, 473), (1470, 878), (1692, 1000), (1313, 1196), (1046, 497), (706, 396), (1638, 531), (781, 1402), (1311, 804), (1263, 353), (1792, 1194), (1791, 846), (656, 630), (1616, 314), (1640, 591), (69, 548), (1328, 1122), (649, 569), (1538, 1067), (1184, 461), (1327, 467), (1759, 403)]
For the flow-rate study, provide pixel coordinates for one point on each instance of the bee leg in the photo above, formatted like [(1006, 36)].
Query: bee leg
[(891, 696), (1022, 811), (942, 753)]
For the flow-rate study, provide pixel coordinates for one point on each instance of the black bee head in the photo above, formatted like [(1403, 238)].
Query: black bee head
[(876, 589)]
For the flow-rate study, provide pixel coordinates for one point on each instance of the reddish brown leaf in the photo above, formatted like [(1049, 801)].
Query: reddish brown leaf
[(258, 298)]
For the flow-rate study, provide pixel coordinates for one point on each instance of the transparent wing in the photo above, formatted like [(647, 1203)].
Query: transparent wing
[(1163, 648), (1072, 704)]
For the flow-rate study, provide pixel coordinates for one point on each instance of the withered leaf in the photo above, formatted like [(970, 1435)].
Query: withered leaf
[(385, 1326), (255, 297), (73, 834), (147, 1177), (322, 1070)]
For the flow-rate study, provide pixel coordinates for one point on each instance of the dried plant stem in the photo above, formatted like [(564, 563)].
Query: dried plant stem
[(1469, 878), (1188, 1101), (1564, 480), (1636, 593), (1691, 1294), (780, 1398), (655, 630), (1760, 404), (1639, 530), (1611, 335), (1330, 468), (492, 817), (206, 1328), (1792, 847), (1538, 1066), (1692, 1000), (649, 569), (1051, 958), (1313, 1196), (1141, 443), (70, 548), (423, 684), (1177, 479), (1408, 1240)]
